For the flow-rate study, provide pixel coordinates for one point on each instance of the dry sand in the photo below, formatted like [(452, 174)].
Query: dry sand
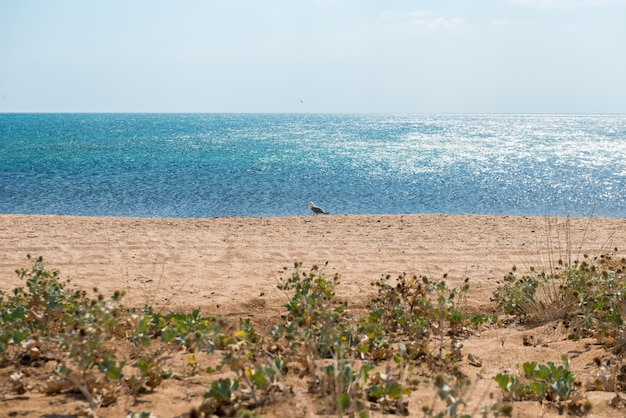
[(231, 266)]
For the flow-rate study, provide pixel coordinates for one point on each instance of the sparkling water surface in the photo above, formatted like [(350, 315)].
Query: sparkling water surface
[(208, 165)]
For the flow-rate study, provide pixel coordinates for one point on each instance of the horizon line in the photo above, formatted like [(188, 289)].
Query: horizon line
[(301, 113)]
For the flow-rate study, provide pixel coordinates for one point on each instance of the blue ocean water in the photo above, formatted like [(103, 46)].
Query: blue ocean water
[(208, 165)]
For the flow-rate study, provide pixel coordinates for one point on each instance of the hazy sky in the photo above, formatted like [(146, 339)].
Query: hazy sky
[(538, 56)]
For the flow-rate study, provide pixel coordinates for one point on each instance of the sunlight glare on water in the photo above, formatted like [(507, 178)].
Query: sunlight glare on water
[(194, 165)]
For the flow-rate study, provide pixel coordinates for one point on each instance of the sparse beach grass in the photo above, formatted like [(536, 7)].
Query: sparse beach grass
[(550, 342), (62, 341)]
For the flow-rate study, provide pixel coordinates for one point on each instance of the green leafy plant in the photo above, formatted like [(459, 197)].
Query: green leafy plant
[(510, 385), (220, 398), (196, 332), (543, 382)]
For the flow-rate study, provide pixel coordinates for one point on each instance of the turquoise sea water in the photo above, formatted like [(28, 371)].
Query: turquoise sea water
[(207, 165)]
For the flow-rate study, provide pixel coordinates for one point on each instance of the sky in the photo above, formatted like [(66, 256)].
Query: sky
[(313, 56)]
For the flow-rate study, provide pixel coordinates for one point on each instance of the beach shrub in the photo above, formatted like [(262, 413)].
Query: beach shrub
[(588, 296), (323, 332), (536, 297), (416, 309), (402, 320), (48, 315), (315, 321), (196, 332)]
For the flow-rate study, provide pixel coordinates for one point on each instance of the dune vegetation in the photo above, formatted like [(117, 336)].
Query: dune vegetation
[(61, 341)]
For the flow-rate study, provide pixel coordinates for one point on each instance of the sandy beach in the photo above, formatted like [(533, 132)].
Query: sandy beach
[(231, 266), (224, 264)]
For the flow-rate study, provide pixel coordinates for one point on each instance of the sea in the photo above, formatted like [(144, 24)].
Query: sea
[(266, 165)]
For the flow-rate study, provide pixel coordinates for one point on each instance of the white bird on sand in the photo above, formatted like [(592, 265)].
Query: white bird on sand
[(316, 210)]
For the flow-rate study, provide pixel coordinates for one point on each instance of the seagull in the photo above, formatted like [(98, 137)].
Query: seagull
[(316, 210)]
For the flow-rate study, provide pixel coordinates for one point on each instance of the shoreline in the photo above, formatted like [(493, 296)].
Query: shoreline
[(306, 215)]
